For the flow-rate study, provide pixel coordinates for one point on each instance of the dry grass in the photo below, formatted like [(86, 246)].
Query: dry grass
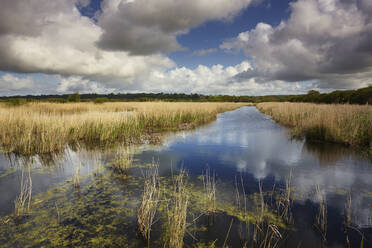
[(22, 204), (47, 127), (149, 204), (348, 124)]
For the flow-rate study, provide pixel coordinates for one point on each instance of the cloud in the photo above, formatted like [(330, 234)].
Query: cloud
[(9, 82), (58, 40), (216, 79), (325, 40), (204, 51), (146, 27)]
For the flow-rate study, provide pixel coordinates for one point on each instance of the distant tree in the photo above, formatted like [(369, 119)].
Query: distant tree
[(74, 97), (313, 92)]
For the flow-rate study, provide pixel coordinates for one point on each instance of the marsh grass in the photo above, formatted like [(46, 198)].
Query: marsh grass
[(209, 183), (123, 159), (284, 201), (149, 204), (321, 217), (37, 128), (22, 204), (177, 213), (347, 124), (347, 221), (76, 177)]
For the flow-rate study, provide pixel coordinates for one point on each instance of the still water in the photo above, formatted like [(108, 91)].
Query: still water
[(243, 148)]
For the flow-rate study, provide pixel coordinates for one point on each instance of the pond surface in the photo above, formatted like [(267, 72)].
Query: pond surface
[(242, 148)]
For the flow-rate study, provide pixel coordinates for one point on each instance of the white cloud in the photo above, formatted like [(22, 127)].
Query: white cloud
[(9, 82), (325, 40), (145, 27)]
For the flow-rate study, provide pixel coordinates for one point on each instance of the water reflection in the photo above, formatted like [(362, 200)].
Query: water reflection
[(245, 141), (241, 142)]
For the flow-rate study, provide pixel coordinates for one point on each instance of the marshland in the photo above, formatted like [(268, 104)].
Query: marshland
[(161, 174)]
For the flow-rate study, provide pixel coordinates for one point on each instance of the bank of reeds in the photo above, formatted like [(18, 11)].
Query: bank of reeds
[(47, 127), (347, 124)]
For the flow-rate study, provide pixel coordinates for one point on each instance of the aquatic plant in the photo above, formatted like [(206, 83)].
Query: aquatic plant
[(76, 177), (284, 201), (209, 183), (38, 128), (176, 224), (321, 217), (123, 159), (22, 204), (150, 201), (347, 124)]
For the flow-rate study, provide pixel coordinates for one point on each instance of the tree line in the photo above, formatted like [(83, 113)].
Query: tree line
[(359, 96)]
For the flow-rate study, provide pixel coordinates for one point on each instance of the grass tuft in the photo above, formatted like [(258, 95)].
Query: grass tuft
[(22, 204), (149, 204), (176, 213)]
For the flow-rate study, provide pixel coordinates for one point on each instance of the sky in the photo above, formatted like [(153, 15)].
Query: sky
[(235, 47)]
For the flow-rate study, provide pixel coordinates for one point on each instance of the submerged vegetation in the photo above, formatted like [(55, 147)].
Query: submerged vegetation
[(47, 127), (103, 212), (347, 124)]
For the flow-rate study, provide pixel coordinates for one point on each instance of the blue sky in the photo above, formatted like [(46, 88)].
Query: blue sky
[(238, 47), (213, 33)]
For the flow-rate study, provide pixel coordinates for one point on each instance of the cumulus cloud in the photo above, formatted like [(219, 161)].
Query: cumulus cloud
[(325, 40), (58, 40), (145, 27), (216, 79)]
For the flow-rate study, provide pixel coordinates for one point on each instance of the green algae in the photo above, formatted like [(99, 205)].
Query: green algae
[(102, 213)]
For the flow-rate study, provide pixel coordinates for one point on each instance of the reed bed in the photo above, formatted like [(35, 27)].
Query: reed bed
[(347, 124), (47, 127)]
